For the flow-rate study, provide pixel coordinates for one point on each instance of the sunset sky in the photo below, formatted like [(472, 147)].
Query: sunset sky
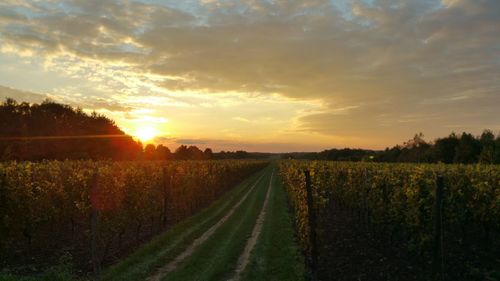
[(261, 75)]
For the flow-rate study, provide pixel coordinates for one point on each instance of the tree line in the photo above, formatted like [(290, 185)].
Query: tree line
[(55, 131), (50, 130), (462, 148), (183, 152)]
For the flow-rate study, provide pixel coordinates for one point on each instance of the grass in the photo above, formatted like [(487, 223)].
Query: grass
[(50, 275), (276, 255), (216, 259), (166, 246), (60, 272)]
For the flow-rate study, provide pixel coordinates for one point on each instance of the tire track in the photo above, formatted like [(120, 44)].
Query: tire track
[(245, 256), (172, 244), (171, 266)]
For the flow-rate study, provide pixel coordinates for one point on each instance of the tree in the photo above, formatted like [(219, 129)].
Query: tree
[(56, 131), (181, 153), (150, 152), (487, 154), (446, 147), (163, 153), (496, 156), (208, 154), (468, 149), (195, 153)]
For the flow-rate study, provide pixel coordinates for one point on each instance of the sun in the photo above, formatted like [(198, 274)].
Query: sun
[(146, 133)]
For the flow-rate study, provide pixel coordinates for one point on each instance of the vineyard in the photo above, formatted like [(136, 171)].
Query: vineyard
[(442, 220), (97, 212), (354, 221)]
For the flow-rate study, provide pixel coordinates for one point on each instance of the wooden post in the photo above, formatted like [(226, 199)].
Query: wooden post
[(437, 259), (3, 209), (165, 197), (312, 228), (94, 230), (3, 198), (385, 203)]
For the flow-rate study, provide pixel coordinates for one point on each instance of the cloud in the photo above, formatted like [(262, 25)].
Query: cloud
[(20, 96), (384, 58), (109, 105), (89, 103), (242, 119)]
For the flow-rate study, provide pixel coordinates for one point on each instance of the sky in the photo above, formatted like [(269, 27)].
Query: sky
[(261, 75)]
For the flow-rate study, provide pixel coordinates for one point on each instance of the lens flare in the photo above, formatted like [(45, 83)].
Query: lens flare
[(146, 133)]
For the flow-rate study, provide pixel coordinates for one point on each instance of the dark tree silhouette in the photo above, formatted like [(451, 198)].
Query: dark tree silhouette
[(194, 153), (496, 154), (150, 152), (55, 131), (489, 150), (466, 149), (208, 154), (181, 153), (163, 153), (446, 147)]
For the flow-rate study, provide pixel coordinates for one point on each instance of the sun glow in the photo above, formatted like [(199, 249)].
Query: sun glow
[(146, 133)]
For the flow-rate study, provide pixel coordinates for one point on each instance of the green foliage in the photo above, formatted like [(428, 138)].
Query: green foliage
[(400, 199), (55, 198), (59, 272)]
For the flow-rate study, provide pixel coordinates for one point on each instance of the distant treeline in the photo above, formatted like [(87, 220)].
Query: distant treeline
[(160, 152), (465, 148), (56, 131)]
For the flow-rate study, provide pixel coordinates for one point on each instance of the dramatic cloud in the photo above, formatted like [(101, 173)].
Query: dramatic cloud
[(380, 70), (88, 103), (6, 92)]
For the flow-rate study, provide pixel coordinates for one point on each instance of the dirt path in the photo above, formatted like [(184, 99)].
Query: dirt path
[(248, 236), (171, 266), (245, 256)]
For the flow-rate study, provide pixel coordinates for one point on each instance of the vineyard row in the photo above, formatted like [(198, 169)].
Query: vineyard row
[(98, 211), (402, 205)]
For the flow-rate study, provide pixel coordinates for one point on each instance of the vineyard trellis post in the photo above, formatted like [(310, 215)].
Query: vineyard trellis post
[(94, 229), (437, 258), (312, 227), (166, 186), (3, 205)]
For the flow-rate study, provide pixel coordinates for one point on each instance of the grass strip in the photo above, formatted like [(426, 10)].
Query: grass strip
[(276, 255), (216, 259), (166, 246)]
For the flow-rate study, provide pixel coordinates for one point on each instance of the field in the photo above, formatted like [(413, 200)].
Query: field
[(248, 220)]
